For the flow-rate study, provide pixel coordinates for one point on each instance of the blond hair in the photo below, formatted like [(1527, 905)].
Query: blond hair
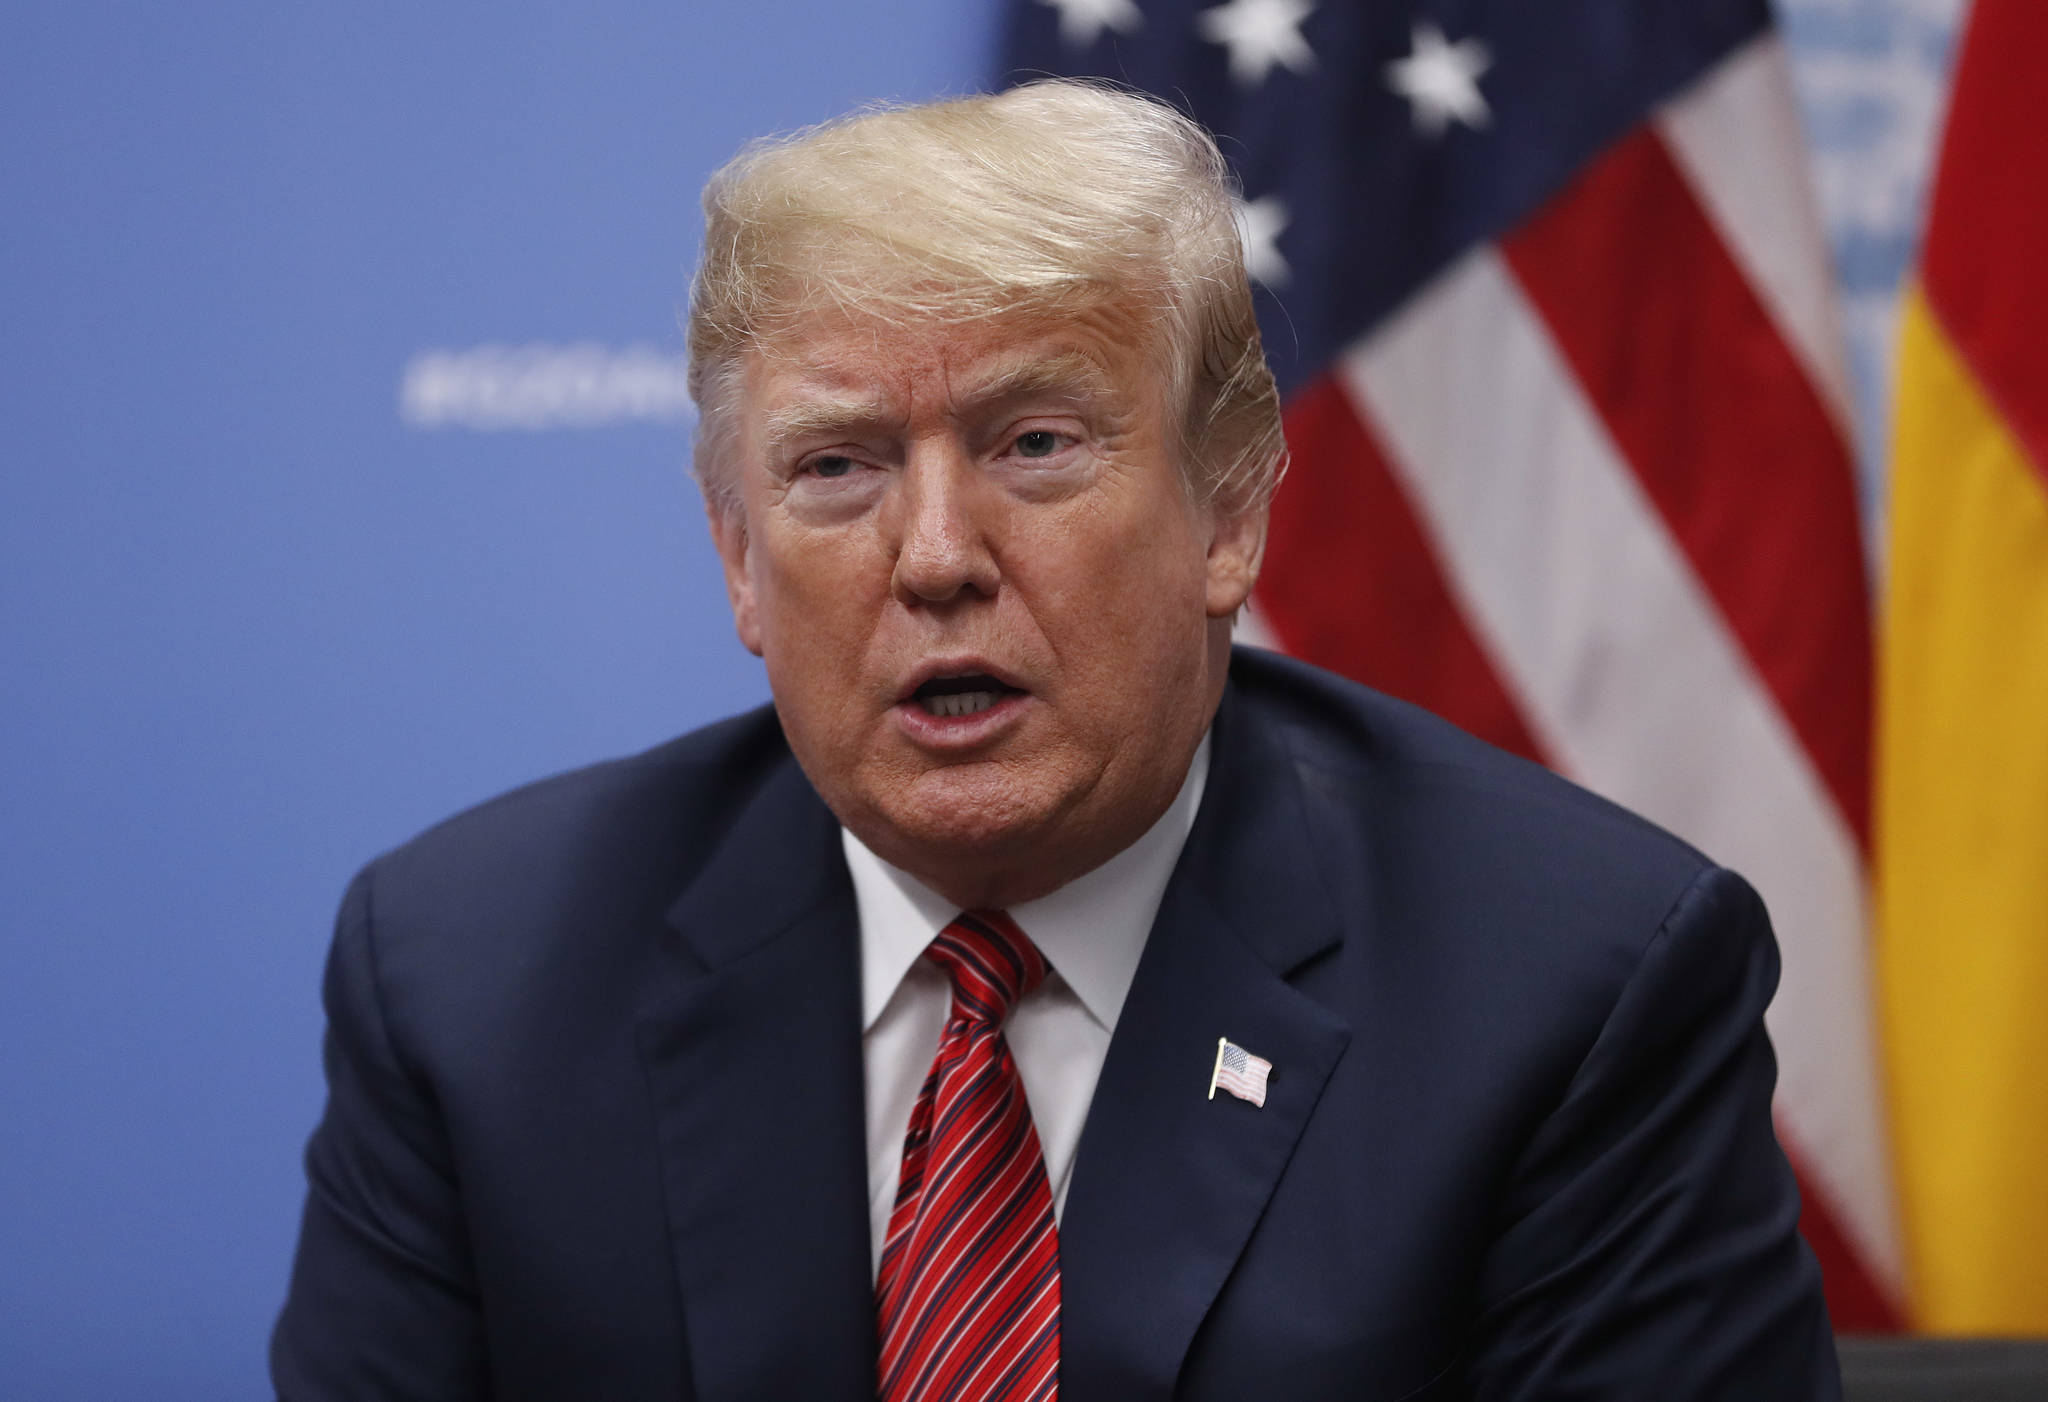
[(1050, 199)]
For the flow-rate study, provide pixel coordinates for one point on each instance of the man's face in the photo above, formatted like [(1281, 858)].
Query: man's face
[(994, 623)]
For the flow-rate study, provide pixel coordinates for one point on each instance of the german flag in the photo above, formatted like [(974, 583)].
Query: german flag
[(1962, 836)]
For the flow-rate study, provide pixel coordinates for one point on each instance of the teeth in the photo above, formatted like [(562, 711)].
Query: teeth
[(960, 703)]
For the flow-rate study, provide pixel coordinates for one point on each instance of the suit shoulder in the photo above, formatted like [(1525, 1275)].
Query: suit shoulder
[(1511, 905), (1415, 786), (643, 823)]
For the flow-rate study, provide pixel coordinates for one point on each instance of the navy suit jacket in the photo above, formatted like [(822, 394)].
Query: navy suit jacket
[(595, 1125)]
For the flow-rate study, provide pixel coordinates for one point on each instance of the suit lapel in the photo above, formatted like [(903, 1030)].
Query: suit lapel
[(1169, 1184), (751, 1041)]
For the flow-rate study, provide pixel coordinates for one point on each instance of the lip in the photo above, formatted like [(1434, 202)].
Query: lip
[(961, 666), (960, 733)]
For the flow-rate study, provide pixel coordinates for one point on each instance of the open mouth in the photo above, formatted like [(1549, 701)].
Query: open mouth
[(953, 697)]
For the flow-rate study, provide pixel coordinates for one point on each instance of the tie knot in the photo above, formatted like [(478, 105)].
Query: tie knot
[(992, 963)]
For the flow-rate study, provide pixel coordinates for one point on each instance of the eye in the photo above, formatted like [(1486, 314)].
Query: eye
[(829, 465), (1038, 443)]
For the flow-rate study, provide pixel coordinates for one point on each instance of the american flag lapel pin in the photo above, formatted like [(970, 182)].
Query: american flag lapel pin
[(1239, 1073)]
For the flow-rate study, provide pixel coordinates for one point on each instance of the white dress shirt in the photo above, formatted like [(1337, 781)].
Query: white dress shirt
[(1091, 931)]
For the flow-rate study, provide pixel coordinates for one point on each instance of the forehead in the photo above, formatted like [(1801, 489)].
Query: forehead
[(837, 365)]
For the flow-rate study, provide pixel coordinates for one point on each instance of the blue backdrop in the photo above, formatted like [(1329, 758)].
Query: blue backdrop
[(254, 625), (341, 485)]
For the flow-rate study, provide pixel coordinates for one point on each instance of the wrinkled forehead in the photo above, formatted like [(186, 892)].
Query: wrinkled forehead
[(844, 367)]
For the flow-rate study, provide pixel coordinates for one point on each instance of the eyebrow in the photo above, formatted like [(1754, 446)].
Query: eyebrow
[(1064, 372), (819, 418)]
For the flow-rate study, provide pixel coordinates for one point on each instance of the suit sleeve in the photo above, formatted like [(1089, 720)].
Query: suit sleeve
[(383, 1300), (1650, 1246)]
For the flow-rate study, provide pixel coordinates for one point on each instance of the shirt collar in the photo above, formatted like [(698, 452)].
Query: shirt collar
[(1091, 930)]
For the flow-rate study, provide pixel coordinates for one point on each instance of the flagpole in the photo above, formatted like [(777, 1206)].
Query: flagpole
[(1217, 1069)]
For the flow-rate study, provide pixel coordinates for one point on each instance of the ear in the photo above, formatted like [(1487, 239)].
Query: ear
[(1237, 546), (729, 534)]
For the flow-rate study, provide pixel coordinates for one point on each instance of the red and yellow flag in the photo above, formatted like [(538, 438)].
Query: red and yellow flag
[(1962, 835)]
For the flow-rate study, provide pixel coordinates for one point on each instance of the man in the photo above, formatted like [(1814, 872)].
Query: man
[(1039, 1000)]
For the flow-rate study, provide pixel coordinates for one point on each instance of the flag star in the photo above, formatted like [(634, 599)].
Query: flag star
[(1259, 34), (1082, 21), (1259, 224), (1441, 80)]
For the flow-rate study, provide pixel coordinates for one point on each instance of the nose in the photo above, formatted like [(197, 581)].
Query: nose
[(942, 546)]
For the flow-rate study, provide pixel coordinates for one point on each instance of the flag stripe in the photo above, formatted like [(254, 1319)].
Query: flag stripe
[(1963, 841), (1343, 532), (1732, 136), (1982, 268), (1858, 1302), (1724, 431), (1629, 676)]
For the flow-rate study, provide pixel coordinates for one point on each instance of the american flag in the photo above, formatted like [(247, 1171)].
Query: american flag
[(1555, 327), (1239, 1073)]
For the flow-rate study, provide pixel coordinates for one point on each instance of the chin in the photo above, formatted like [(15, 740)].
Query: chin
[(967, 813), (961, 820)]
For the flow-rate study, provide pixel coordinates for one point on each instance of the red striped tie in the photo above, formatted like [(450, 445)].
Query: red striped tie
[(968, 1293)]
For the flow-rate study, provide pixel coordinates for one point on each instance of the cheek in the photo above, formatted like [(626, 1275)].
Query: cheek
[(1137, 589), (1159, 553), (818, 600), (807, 573), (812, 604)]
